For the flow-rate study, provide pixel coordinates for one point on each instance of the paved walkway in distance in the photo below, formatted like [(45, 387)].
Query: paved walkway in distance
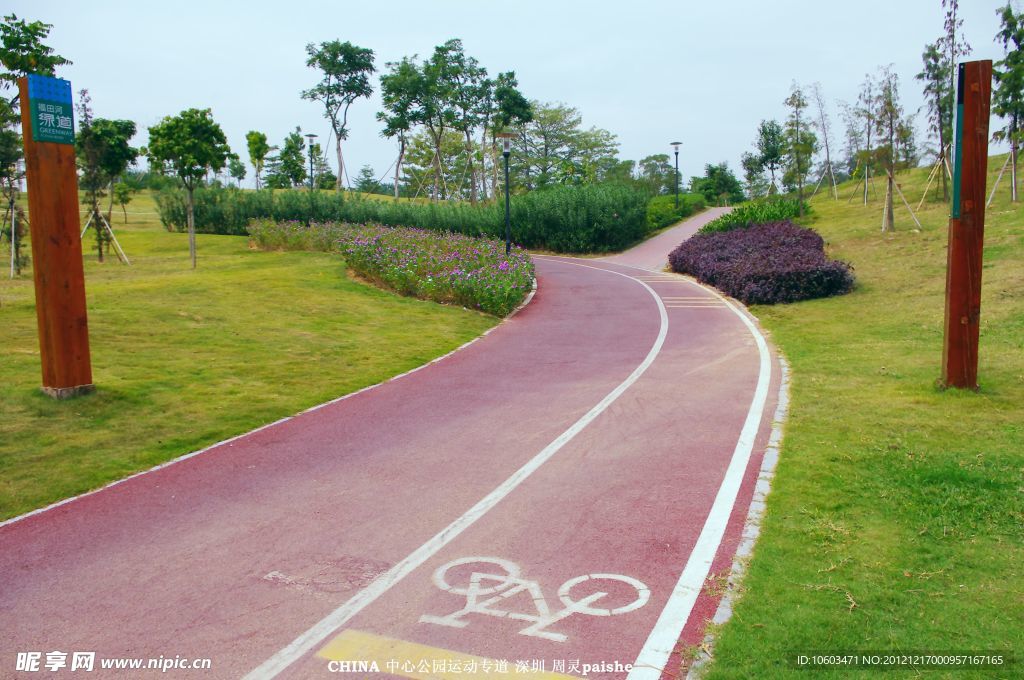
[(555, 494)]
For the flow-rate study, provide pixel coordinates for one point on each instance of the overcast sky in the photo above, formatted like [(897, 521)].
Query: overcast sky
[(650, 71)]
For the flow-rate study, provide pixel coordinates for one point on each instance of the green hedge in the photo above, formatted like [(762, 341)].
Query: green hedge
[(662, 211), (759, 211), (592, 218)]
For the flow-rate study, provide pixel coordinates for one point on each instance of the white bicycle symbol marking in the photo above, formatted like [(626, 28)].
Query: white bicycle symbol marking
[(500, 580)]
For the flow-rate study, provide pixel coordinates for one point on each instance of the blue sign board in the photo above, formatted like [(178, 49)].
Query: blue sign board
[(50, 107)]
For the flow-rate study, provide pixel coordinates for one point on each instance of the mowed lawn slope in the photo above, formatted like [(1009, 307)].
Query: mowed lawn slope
[(896, 518), (185, 358)]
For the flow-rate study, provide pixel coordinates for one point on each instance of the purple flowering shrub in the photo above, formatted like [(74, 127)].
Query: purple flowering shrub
[(432, 265), (764, 264)]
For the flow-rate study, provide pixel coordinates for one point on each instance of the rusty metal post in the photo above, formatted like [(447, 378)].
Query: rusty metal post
[(967, 226), (47, 129)]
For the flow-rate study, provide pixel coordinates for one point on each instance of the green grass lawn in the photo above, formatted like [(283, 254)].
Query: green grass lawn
[(185, 358), (896, 518)]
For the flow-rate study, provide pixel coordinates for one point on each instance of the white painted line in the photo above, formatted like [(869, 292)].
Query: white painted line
[(330, 623), (173, 461), (752, 526), (665, 635)]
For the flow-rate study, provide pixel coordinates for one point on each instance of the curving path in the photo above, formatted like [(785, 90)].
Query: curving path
[(555, 492)]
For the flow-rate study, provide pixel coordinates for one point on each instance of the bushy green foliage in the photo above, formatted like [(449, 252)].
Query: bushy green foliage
[(590, 218), (760, 211), (432, 265), (662, 211)]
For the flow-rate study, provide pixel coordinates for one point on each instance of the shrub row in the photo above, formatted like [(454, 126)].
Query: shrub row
[(432, 265), (764, 264), (593, 218), (759, 211), (662, 211)]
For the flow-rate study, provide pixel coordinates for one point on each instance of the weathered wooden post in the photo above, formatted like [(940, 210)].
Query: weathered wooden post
[(47, 125), (967, 226)]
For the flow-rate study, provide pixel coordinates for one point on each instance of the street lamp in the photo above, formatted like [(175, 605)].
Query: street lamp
[(506, 151), (310, 136), (675, 146)]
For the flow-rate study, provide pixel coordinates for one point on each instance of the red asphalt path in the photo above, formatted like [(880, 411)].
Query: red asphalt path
[(341, 521)]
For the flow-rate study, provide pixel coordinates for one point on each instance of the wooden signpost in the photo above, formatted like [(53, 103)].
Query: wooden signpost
[(967, 226), (48, 131)]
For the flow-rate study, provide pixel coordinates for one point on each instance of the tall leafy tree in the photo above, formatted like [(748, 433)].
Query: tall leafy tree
[(1008, 98), (346, 70), (657, 174), (867, 102), (753, 174), (824, 125), (890, 126), (800, 144), (718, 185), (470, 91), (236, 168), (402, 91), (22, 52), (258, 150), (103, 152), (938, 94), (122, 192), (189, 144), (291, 160), (771, 146), (954, 40), (507, 108)]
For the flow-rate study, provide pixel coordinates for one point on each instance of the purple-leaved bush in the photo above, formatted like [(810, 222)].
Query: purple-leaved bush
[(764, 264)]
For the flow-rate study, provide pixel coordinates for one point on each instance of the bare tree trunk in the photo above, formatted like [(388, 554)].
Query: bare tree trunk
[(889, 191), (110, 208), (341, 160), (1013, 160), (191, 228), (437, 166), (472, 169), (483, 165), (398, 165)]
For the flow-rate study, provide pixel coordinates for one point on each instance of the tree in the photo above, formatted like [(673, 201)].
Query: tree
[(123, 195), (718, 185), (824, 125), (865, 111), (346, 71), (189, 145), (770, 148), (507, 109), (657, 174), (1008, 98), (288, 168), (800, 144), (22, 52), (954, 26), (258, 150), (470, 90), (323, 177), (938, 95), (236, 168), (366, 180), (753, 175), (102, 152), (889, 124), (400, 88)]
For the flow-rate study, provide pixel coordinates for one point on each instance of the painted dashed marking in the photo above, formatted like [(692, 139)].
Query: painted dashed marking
[(359, 652)]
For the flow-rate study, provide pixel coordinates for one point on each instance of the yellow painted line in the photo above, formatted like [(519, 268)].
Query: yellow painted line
[(413, 660)]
